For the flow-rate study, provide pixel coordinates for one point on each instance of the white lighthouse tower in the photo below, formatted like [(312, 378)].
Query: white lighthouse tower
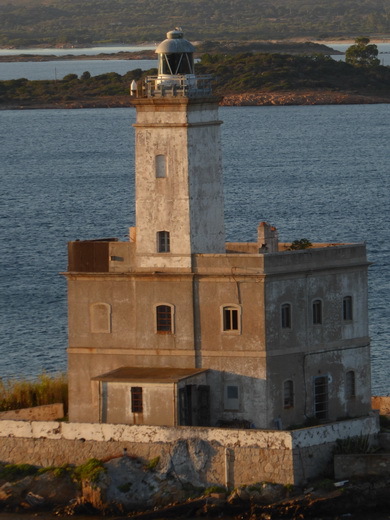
[(179, 192)]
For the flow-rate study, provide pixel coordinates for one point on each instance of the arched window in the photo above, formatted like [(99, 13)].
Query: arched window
[(231, 318), (317, 312), (288, 394), (164, 319), (100, 317), (285, 315), (163, 242), (350, 390), (347, 308)]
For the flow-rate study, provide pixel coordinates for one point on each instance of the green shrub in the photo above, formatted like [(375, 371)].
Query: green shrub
[(152, 464), (13, 472), (91, 470)]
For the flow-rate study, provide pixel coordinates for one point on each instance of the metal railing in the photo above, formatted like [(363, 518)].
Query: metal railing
[(175, 86)]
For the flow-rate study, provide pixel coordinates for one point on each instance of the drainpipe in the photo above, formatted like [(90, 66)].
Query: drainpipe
[(229, 457)]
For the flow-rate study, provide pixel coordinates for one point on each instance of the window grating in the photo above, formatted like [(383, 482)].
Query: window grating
[(136, 399), (164, 319)]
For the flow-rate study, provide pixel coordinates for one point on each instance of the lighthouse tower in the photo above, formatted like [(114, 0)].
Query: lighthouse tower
[(179, 192)]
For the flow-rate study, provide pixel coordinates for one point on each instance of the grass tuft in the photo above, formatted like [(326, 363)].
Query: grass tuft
[(20, 393)]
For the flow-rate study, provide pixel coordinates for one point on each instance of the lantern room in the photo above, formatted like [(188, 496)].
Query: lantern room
[(175, 55)]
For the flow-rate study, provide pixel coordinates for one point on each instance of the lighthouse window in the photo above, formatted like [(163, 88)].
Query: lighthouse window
[(177, 63), (161, 166), (163, 242)]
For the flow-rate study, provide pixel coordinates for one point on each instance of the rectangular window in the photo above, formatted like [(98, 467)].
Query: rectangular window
[(232, 397), (288, 394), (230, 319), (161, 168), (321, 397), (136, 399), (286, 316), (347, 308), (164, 319), (350, 391), (317, 312), (163, 242)]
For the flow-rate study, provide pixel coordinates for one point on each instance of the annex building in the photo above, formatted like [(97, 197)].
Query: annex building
[(176, 327)]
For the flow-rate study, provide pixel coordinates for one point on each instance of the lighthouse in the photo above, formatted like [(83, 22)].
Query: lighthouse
[(178, 168)]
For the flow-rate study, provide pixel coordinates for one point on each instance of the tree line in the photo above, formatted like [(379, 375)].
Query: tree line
[(31, 22), (240, 73)]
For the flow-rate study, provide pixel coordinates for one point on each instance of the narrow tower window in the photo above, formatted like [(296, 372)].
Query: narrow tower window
[(164, 319), (350, 390), (161, 166), (347, 308), (136, 399), (288, 394), (163, 242), (317, 312), (286, 316)]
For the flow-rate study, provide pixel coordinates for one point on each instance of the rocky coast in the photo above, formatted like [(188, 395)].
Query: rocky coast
[(128, 485), (260, 98)]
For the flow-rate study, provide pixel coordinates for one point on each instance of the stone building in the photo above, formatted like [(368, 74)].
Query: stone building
[(177, 327)]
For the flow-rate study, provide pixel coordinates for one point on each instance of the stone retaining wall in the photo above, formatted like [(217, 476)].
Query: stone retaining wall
[(46, 412), (231, 457)]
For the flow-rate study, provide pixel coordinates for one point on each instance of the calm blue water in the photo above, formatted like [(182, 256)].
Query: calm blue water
[(36, 70), (90, 51), (58, 69), (316, 172)]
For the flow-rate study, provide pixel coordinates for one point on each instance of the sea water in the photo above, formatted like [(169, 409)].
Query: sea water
[(316, 172)]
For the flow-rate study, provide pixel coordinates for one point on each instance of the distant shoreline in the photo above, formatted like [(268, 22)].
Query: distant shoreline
[(281, 98)]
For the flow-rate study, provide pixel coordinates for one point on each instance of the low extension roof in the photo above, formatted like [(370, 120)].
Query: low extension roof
[(148, 375)]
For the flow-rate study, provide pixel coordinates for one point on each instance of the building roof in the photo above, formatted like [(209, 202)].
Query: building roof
[(149, 375)]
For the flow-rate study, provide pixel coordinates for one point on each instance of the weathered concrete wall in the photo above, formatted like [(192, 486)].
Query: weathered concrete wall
[(233, 457), (362, 464), (46, 412)]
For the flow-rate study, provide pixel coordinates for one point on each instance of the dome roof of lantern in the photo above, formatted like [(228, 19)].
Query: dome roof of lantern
[(175, 43)]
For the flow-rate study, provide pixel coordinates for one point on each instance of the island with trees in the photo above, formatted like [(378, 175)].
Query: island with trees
[(250, 78), (82, 22)]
